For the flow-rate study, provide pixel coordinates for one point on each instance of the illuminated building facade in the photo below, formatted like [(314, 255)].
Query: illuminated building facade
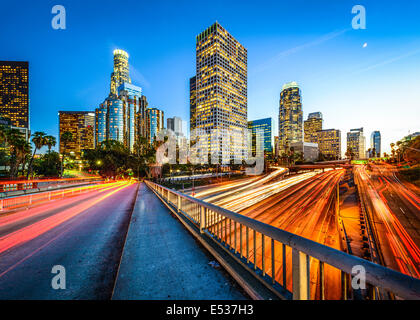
[(101, 115), (308, 150), (193, 102), (141, 125), (265, 126), (375, 144), (175, 124), (81, 125), (290, 116), (356, 141), (221, 93), (311, 126), (14, 93), (276, 146), (130, 95), (154, 123), (122, 115), (329, 143), (121, 70)]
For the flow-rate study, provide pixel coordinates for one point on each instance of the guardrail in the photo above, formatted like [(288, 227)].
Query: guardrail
[(303, 269), (38, 198), (17, 185)]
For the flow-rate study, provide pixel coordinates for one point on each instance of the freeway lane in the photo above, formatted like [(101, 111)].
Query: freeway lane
[(85, 234), (302, 205), (395, 215)]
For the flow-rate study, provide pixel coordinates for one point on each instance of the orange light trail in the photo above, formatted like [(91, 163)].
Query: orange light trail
[(36, 229)]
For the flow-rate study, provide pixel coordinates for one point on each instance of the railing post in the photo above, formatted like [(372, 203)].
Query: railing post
[(300, 275), (202, 219), (1, 205), (179, 204)]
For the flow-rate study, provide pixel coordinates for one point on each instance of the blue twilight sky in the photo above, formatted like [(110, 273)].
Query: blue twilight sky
[(309, 41)]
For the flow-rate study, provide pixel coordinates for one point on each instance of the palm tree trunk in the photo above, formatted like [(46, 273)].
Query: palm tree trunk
[(30, 165)]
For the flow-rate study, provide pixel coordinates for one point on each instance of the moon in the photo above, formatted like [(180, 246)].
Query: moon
[(365, 45)]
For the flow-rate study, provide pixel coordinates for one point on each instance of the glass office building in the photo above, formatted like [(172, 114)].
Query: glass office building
[(290, 116), (14, 92), (193, 102), (375, 144), (154, 122), (81, 125), (329, 143), (130, 95), (121, 71), (221, 93), (265, 126), (311, 126), (356, 141)]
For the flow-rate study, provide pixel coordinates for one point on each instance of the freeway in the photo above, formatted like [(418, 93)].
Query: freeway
[(83, 233), (302, 204), (394, 211)]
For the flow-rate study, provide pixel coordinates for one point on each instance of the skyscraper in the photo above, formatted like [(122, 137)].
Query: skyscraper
[(121, 70), (14, 92), (193, 102), (375, 144), (154, 123), (175, 124), (329, 143), (121, 116), (290, 116), (221, 92), (130, 95), (312, 126), (81, 125), (266, 127), (356, 141)]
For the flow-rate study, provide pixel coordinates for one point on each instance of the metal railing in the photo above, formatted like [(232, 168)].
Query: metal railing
[(290, 265), (17, 202)]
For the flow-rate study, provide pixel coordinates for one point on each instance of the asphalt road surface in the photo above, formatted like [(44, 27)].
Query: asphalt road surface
[(84, 234)]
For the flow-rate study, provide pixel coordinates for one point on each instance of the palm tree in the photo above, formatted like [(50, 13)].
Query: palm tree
[(39, 140), (65, 138), (50, 142), (349, 153), (19, 149), (392, 150)]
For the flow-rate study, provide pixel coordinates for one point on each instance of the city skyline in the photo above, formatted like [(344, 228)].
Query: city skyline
[(344, 83)]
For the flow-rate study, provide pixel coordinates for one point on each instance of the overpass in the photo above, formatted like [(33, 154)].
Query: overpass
[(278, 260)]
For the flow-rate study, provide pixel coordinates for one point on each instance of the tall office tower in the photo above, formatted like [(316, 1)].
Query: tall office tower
[(329, 143), (276, 146), (356, 141), (130, 95), (14, 92), (141, 124), (121, 70), (81, 125), (115, 119), (175, 124), (221, 93), (375, 144), (312, 126), (193, 102), (101, 116), (290, 116), (154, 123), (265, 126)]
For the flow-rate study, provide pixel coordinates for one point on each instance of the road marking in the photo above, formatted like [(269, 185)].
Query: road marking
[(402, 210)]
